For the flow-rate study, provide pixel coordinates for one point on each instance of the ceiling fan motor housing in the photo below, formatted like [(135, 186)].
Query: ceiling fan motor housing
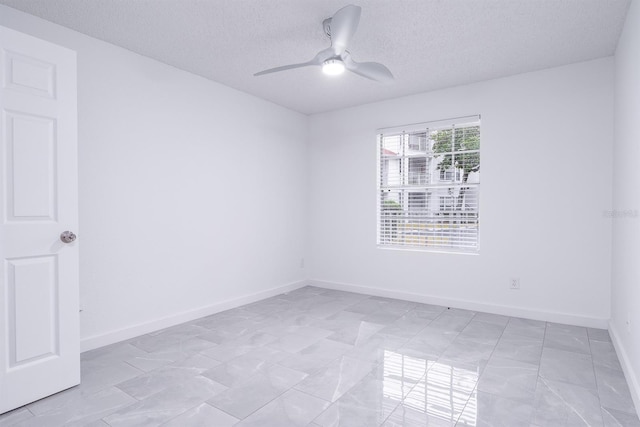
[(326, 25)]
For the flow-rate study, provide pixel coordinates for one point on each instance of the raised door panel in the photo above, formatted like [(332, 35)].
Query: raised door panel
[(32, 285), (30, 147)]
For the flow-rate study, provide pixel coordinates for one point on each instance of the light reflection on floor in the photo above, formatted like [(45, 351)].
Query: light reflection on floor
[(439, 390)]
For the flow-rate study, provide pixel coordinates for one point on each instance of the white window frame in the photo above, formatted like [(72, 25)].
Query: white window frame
[(457, 231)]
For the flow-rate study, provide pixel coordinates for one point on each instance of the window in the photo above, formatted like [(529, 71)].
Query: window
[(450, 175), (429, 185)]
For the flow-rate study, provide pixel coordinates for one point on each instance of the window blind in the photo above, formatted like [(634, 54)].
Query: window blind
[(429, 185)]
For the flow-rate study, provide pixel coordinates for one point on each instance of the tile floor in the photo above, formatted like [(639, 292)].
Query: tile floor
[(317, 357)]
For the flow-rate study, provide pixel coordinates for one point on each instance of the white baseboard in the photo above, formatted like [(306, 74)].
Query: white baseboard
[(547, 316), (112, 337), (627, 368)]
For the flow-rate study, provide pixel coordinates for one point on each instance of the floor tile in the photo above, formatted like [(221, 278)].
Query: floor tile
[(483, 331), (237, 347), (460, 312), (98, 378), (82, 409), (604, 354), (252, 394), (295, 342), (347, 414), (326, 309), (559, 404), (566, 329), (183, 330), (70, 397), (373, 305), (314, 357), (268, 306), (428, 311), (496, 319), (567, 366), (472, 352), (169, 342), (223, 335), (340, 320), (368, 403), (143, 386), (96, 423), (510, 379), (150, 361), (407, 326), (429, 343), (202, 415), (198, 361), (613, 389), (567, 339), (110, 354), (363, 306), (410, 415), (375, 348), (598, 334), (437, 400), (449, 321), (399, 373), (13, 417), (487, 410), (351, 296), (293, 408), (234, 322), (519, 347), (242, 367), (616, 418), (383, 317), (356, 333), (167, 404), (283, 325), (336, 378), (525, 327)]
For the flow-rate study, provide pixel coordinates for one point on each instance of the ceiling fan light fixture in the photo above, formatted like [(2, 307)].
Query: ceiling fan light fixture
[(333, 67), (336, 59)]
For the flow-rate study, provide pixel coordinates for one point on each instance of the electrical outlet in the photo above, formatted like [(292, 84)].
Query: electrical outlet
[(515, 283), (301, 262), (628, 322)]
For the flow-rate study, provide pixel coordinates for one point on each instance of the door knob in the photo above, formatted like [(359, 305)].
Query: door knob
[(67, 237)]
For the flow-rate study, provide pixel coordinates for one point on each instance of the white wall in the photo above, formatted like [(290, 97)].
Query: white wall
[(625, 286), (546, 183), (191, 193)]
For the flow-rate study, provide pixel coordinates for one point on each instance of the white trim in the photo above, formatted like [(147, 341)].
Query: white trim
[(435, 124), (96, 341), (547, 316), (627, 367)]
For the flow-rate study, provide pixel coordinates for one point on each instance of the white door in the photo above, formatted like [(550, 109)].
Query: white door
[(39, 322)]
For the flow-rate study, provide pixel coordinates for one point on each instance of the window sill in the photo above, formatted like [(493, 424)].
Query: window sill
[(428, 250)]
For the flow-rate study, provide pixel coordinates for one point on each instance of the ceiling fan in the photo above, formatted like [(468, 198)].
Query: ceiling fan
[(334, 60)]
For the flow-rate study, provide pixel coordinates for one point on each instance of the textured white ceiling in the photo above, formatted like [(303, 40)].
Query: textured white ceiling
[(427, 44)]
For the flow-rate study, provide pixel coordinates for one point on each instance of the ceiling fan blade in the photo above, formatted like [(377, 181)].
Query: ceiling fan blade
[(285, 67), (343, 26), (322, 56), (370, 70)]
